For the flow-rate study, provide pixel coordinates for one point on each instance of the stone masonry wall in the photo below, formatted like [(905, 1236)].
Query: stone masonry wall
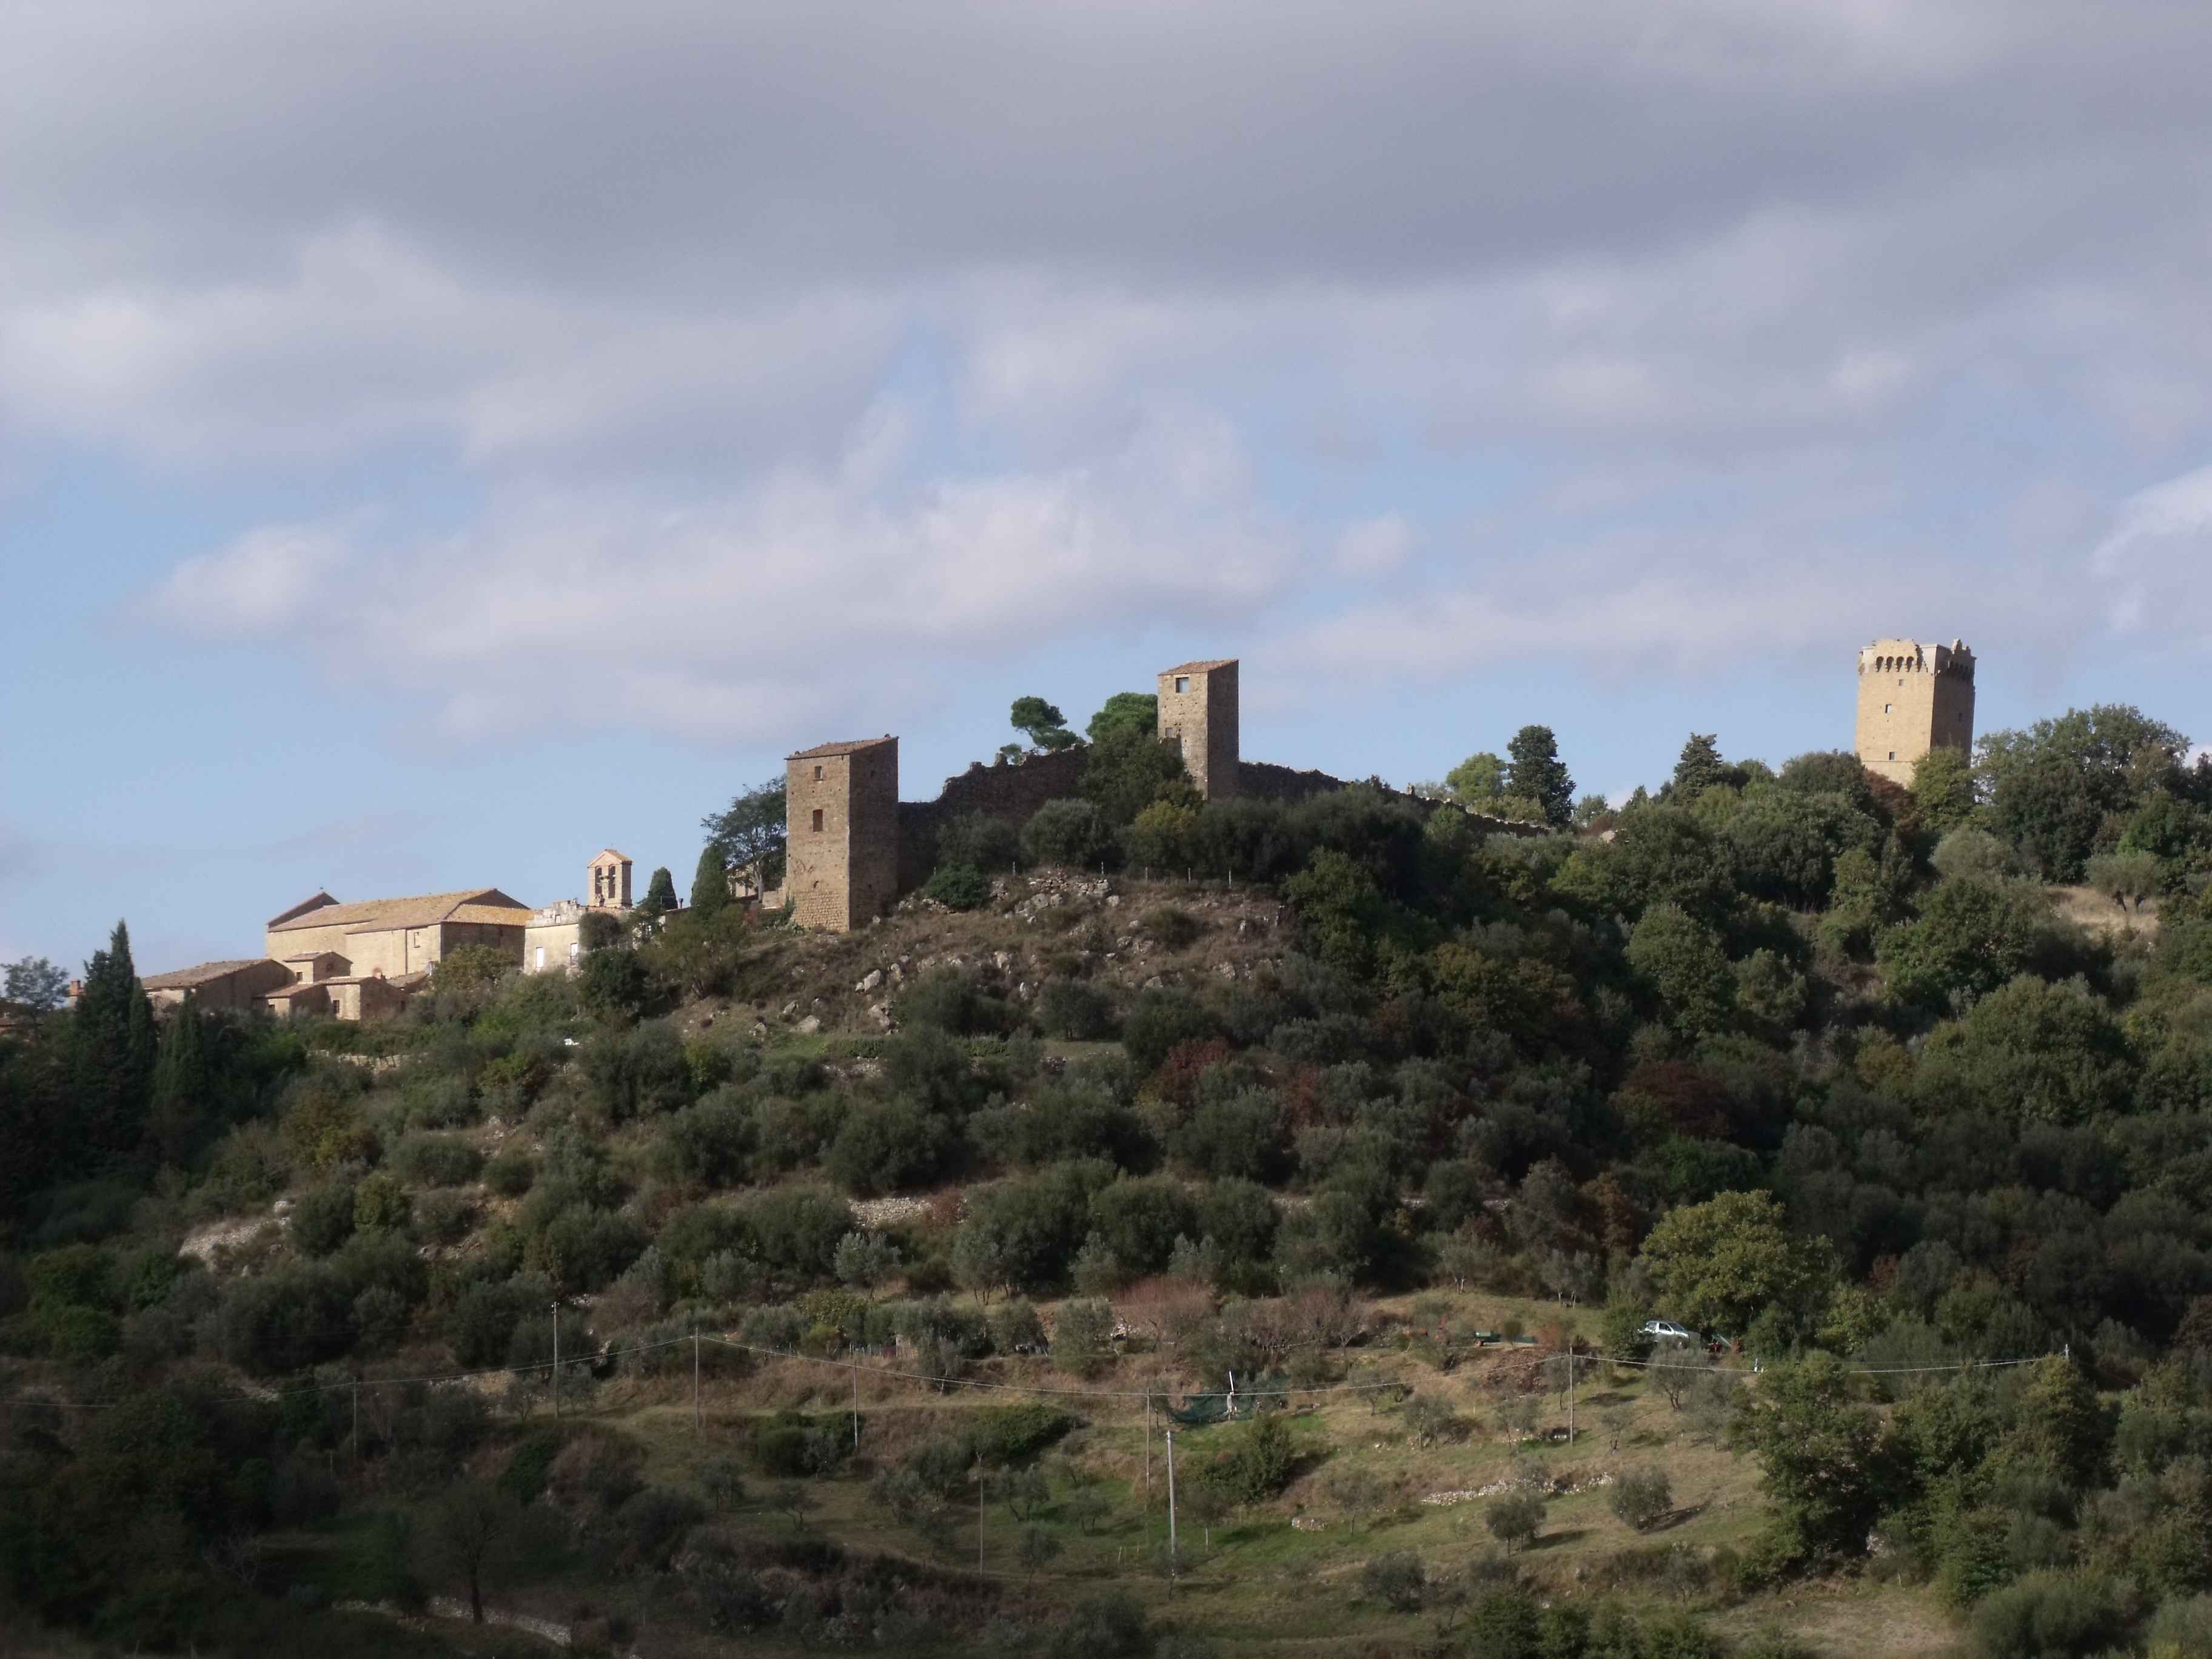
[(1009, 794)]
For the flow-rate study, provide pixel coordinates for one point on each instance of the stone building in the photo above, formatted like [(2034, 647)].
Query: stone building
[(362, 961), (241, 984), (842, 833), (1197, 712), (553, 938), (1913, 697)]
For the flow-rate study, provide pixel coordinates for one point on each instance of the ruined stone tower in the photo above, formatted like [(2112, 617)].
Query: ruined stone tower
[(1911, 698), (840, 823), (1198, 710)]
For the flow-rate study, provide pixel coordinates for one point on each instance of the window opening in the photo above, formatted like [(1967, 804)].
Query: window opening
[(817, 817)]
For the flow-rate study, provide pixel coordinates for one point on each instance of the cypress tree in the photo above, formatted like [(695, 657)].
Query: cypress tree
[(660, 894), (710, 884), (112, 1049), (183, 1084)]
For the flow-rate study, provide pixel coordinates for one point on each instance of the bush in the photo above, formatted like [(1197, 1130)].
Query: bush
[(885, 1145), (1172, 926), (1075, 1010), (436, 1160), (1072, 834), (1157, 1021), (958, 888), (286, 1320), (1107, 1627), (952, 1001), (1263, 1460), (977, 841), (1080, 1335), (2046, 1615), (511, 1172), (324, 1219), (1642, 1499)]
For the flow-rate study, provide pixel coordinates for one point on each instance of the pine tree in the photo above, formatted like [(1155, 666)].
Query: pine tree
[(183, 1084), (1536, 772), (1699, 768), (112, 1049), (710, 884)]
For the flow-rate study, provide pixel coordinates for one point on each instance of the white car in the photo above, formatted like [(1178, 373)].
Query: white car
[(1666, 1330)]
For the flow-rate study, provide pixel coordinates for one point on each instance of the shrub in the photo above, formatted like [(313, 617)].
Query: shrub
[(379, 1204), (511, 1172), (436, 1160), (2045, 1615), (1072, 834), (958, 888), (1263, 1460), (884, 1145), (1172, 926), (712, 1142), (1642, 1497), (1159, 1020), (324, 1219), (1075, 1010), (976, 841), (952, 1001), (1081, 1333), (1107, 1627), (284, 1321)]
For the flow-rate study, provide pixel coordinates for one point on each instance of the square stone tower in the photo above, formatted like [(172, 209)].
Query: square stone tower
[(840, 854), (1198, 710), (1911, 698)]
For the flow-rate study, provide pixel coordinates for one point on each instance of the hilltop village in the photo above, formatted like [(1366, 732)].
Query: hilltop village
[(853, 848)]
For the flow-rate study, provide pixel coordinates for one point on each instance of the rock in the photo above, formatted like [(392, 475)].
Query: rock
[(809, 1025), (1001, 960), (875, 978)]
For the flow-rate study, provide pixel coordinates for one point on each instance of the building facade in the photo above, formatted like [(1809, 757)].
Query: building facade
[(1913, 697)]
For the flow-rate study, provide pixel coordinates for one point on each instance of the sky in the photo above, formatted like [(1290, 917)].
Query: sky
[(437, 442)]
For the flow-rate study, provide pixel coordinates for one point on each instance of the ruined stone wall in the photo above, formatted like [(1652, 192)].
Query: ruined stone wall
[(1011, 795)]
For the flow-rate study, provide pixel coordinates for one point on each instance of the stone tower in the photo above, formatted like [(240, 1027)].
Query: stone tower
[(840, 854), (1198, 710), (610, 873), (1911, 698)]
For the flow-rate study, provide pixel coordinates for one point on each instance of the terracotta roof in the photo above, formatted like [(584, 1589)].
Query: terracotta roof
[(379, 915), (1202, 667), (185, 979), (319, 902), (841, 748)]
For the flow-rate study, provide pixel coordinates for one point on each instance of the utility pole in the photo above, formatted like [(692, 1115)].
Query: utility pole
[(1171, 1513), (1570, 1396), (556, 1361), (983, 1496), (356, 1419), (856, 1408), (696, 1426)]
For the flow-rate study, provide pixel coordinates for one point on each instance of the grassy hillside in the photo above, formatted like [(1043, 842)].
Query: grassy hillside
[(1389, 1125)]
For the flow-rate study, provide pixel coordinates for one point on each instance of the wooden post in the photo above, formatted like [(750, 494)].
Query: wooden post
[(1570, 1396), (983, 1497), (697, 1424), (356, 1419), (856, 1408), (1171, 1513), (556, 1361)]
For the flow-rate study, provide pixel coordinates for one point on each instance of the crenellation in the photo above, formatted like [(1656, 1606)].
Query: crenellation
[(1912, 697)]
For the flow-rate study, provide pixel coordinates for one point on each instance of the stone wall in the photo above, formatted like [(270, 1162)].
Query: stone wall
[(1009, 794)]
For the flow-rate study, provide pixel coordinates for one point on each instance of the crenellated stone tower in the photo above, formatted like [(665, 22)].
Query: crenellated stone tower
[(1198, 710), (841, 824), (1913, 697)]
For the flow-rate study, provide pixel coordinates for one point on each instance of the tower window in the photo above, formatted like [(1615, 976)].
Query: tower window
[(817, 774), (1182, 682), (1889, 709), (1893, 754), (818, 811)]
